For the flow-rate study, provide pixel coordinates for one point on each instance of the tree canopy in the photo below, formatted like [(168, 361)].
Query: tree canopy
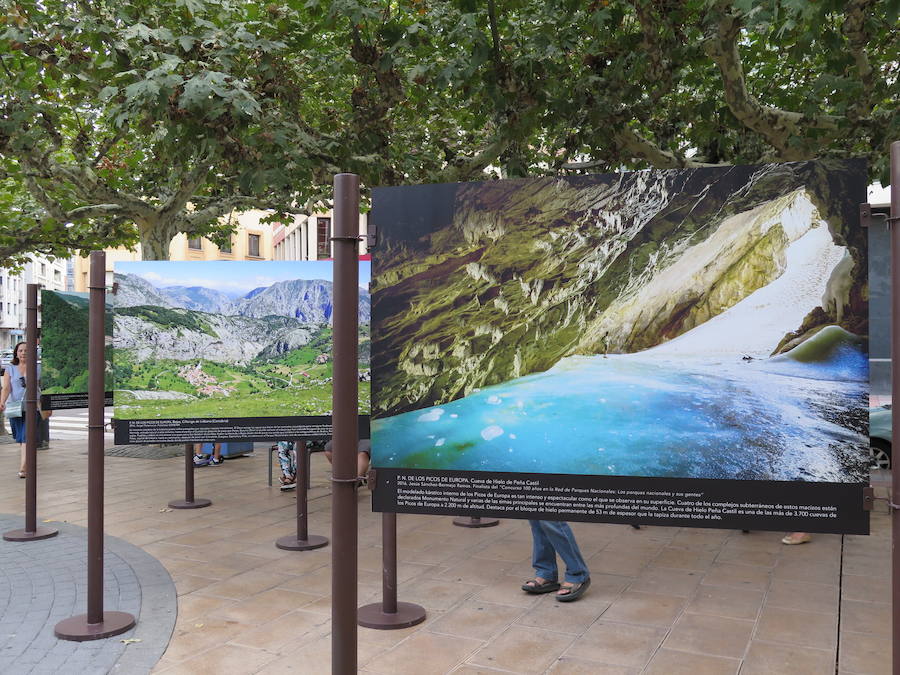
[(126, 122)]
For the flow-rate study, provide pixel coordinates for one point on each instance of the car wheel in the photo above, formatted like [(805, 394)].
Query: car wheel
[(879, 454)]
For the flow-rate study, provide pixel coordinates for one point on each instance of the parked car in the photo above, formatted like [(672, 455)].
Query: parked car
[(880, 437)]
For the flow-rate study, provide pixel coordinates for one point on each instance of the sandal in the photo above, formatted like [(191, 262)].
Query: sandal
[(795, 538), (21, 474), (534, 586), (575, 591)]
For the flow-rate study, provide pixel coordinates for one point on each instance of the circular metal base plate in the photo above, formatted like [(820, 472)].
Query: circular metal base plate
[(38, 534), (182, 504), (373, 616), (466, 521), (291, 543), (78, 629)]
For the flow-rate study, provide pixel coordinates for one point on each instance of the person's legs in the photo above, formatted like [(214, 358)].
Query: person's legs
[(286, 459), (199, 458), (543, 557), (560, 537), (217, 451), (17, 426), (362, 457)]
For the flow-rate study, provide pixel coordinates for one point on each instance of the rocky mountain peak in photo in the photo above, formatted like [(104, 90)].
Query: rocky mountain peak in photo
[(309, 301), (200, 298), (133, 290)]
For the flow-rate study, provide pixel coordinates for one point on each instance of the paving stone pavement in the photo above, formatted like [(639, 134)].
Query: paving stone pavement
[(663, 601), (44, 582)]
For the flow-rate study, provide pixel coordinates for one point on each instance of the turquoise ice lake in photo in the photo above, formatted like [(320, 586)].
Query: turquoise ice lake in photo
[(797, 416)]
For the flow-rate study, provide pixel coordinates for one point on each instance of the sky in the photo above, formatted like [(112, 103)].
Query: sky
[(234, 278)]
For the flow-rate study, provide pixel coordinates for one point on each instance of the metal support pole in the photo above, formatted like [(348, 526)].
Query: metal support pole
[(895, 393), (31, 532), (189, 501), (475, 521), (390, 614), (303, 541), (345, 425), (96, 624)]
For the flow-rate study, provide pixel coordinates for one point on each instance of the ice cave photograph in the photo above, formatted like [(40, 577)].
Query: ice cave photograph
[(699, 323)]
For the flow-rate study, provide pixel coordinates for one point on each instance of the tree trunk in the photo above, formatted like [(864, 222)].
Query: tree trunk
[(155, 239)]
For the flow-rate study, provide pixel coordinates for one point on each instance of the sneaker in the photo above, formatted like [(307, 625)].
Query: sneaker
[(215, 462), (288, 486), (201, 460)]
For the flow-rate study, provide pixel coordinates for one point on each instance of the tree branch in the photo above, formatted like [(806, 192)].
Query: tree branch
[(854, 29), (467, 168), (187, 222), (185, 191), (777, 127), (640, 147), (94, 211), (495, 34)]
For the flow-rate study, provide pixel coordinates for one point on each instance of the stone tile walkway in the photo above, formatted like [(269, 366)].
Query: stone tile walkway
[(663, 600), (43, 582)]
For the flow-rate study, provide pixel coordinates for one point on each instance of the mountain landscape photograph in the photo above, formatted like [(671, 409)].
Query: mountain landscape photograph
[(222, 339), (64, 345), (700, 323)]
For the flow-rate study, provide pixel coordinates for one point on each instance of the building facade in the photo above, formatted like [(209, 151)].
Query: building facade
[(50, 274), (252, 240), (309, 237)]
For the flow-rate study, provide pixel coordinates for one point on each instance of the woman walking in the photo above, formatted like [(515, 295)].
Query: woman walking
[(13, 391)]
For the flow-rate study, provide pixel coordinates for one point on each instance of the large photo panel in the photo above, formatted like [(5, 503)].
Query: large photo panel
[(228, 351), (683, 347), (64, 351)]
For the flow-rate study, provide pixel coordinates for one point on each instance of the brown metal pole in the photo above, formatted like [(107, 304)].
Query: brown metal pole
[(188, 472), (31, 532), (390, 614), (895, 392), (96, 369), (303, 541), (31, 408), (389, 562), (345, 424), (96, 623), (189, 501)]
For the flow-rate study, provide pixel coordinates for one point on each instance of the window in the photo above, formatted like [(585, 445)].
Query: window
[(226, 247), (43, 270), (195, 243), (323, 236), (253, 245)]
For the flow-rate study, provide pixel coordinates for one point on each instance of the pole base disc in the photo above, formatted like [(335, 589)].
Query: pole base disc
[(291, 543), (37, 535), (467, 521), (78, 629), (373, 616), (184, 504)]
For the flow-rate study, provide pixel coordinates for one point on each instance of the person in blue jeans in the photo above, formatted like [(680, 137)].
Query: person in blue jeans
[(550, 537)]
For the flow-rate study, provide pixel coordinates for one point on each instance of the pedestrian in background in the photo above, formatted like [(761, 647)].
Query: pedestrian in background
[(550, 537)]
